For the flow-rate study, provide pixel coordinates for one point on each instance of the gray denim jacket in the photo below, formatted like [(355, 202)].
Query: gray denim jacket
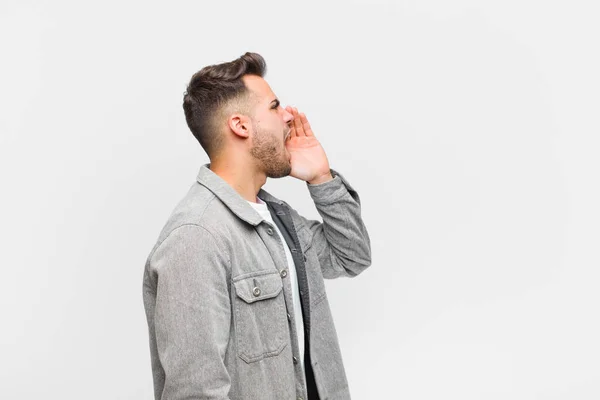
[(218, 299)]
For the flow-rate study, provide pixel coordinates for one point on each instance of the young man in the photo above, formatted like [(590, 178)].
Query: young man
[(233, 289)]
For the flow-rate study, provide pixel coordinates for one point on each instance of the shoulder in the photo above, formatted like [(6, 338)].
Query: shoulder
[(198, 216)]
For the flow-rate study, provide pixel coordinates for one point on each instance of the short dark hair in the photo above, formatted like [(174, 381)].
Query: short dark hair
[(215, 90)]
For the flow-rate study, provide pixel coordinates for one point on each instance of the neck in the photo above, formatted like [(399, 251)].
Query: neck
[(241, 175)]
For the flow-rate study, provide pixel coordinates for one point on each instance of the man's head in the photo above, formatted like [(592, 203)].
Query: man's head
[(232, 111)]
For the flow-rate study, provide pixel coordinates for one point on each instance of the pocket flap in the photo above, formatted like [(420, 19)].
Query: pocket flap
[(260, 287)]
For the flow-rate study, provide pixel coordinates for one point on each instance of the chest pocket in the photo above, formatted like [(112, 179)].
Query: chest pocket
[(260, 316)]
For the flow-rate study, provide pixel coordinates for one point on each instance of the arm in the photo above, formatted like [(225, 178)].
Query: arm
[(341, 241), (192, 314)]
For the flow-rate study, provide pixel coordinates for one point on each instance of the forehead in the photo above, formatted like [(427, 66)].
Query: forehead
[(259, 87)]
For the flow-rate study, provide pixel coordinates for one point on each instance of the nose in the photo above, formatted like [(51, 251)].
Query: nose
[(287, 116)]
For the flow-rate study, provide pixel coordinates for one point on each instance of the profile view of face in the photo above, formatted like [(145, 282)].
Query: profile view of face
[(270, 128)]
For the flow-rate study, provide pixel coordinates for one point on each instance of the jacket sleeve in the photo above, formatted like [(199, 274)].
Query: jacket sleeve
[(192, 314), (341, 241)]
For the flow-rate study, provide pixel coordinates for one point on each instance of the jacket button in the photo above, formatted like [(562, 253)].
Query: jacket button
[(256, 291), (283, 273), (270, 231), (295, 360), (289, 317)]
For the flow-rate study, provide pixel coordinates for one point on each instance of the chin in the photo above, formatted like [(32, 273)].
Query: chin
[(281, 171)]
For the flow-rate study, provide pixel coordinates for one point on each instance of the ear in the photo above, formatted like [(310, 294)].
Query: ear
[(240, 125)]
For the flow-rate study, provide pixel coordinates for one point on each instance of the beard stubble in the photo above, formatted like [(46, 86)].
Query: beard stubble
[(266, 149)]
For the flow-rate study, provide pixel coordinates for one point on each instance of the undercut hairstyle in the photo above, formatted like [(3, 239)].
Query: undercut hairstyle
[(214, 93)]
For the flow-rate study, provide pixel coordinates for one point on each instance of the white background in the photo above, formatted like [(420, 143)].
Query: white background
[(469, 128)]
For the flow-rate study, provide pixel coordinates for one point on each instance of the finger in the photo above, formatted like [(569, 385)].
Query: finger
[(298, 123), (306, 125), (291, 122)]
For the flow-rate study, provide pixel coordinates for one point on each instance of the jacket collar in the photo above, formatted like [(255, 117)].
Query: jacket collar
[(232, 199)]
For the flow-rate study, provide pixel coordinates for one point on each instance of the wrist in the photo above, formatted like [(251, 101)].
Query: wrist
[(321, 179)]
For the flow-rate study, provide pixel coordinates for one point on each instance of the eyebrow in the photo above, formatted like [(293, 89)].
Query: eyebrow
[(276, 101)]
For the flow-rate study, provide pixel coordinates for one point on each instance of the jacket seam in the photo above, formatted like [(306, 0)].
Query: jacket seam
[(199, 226)]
